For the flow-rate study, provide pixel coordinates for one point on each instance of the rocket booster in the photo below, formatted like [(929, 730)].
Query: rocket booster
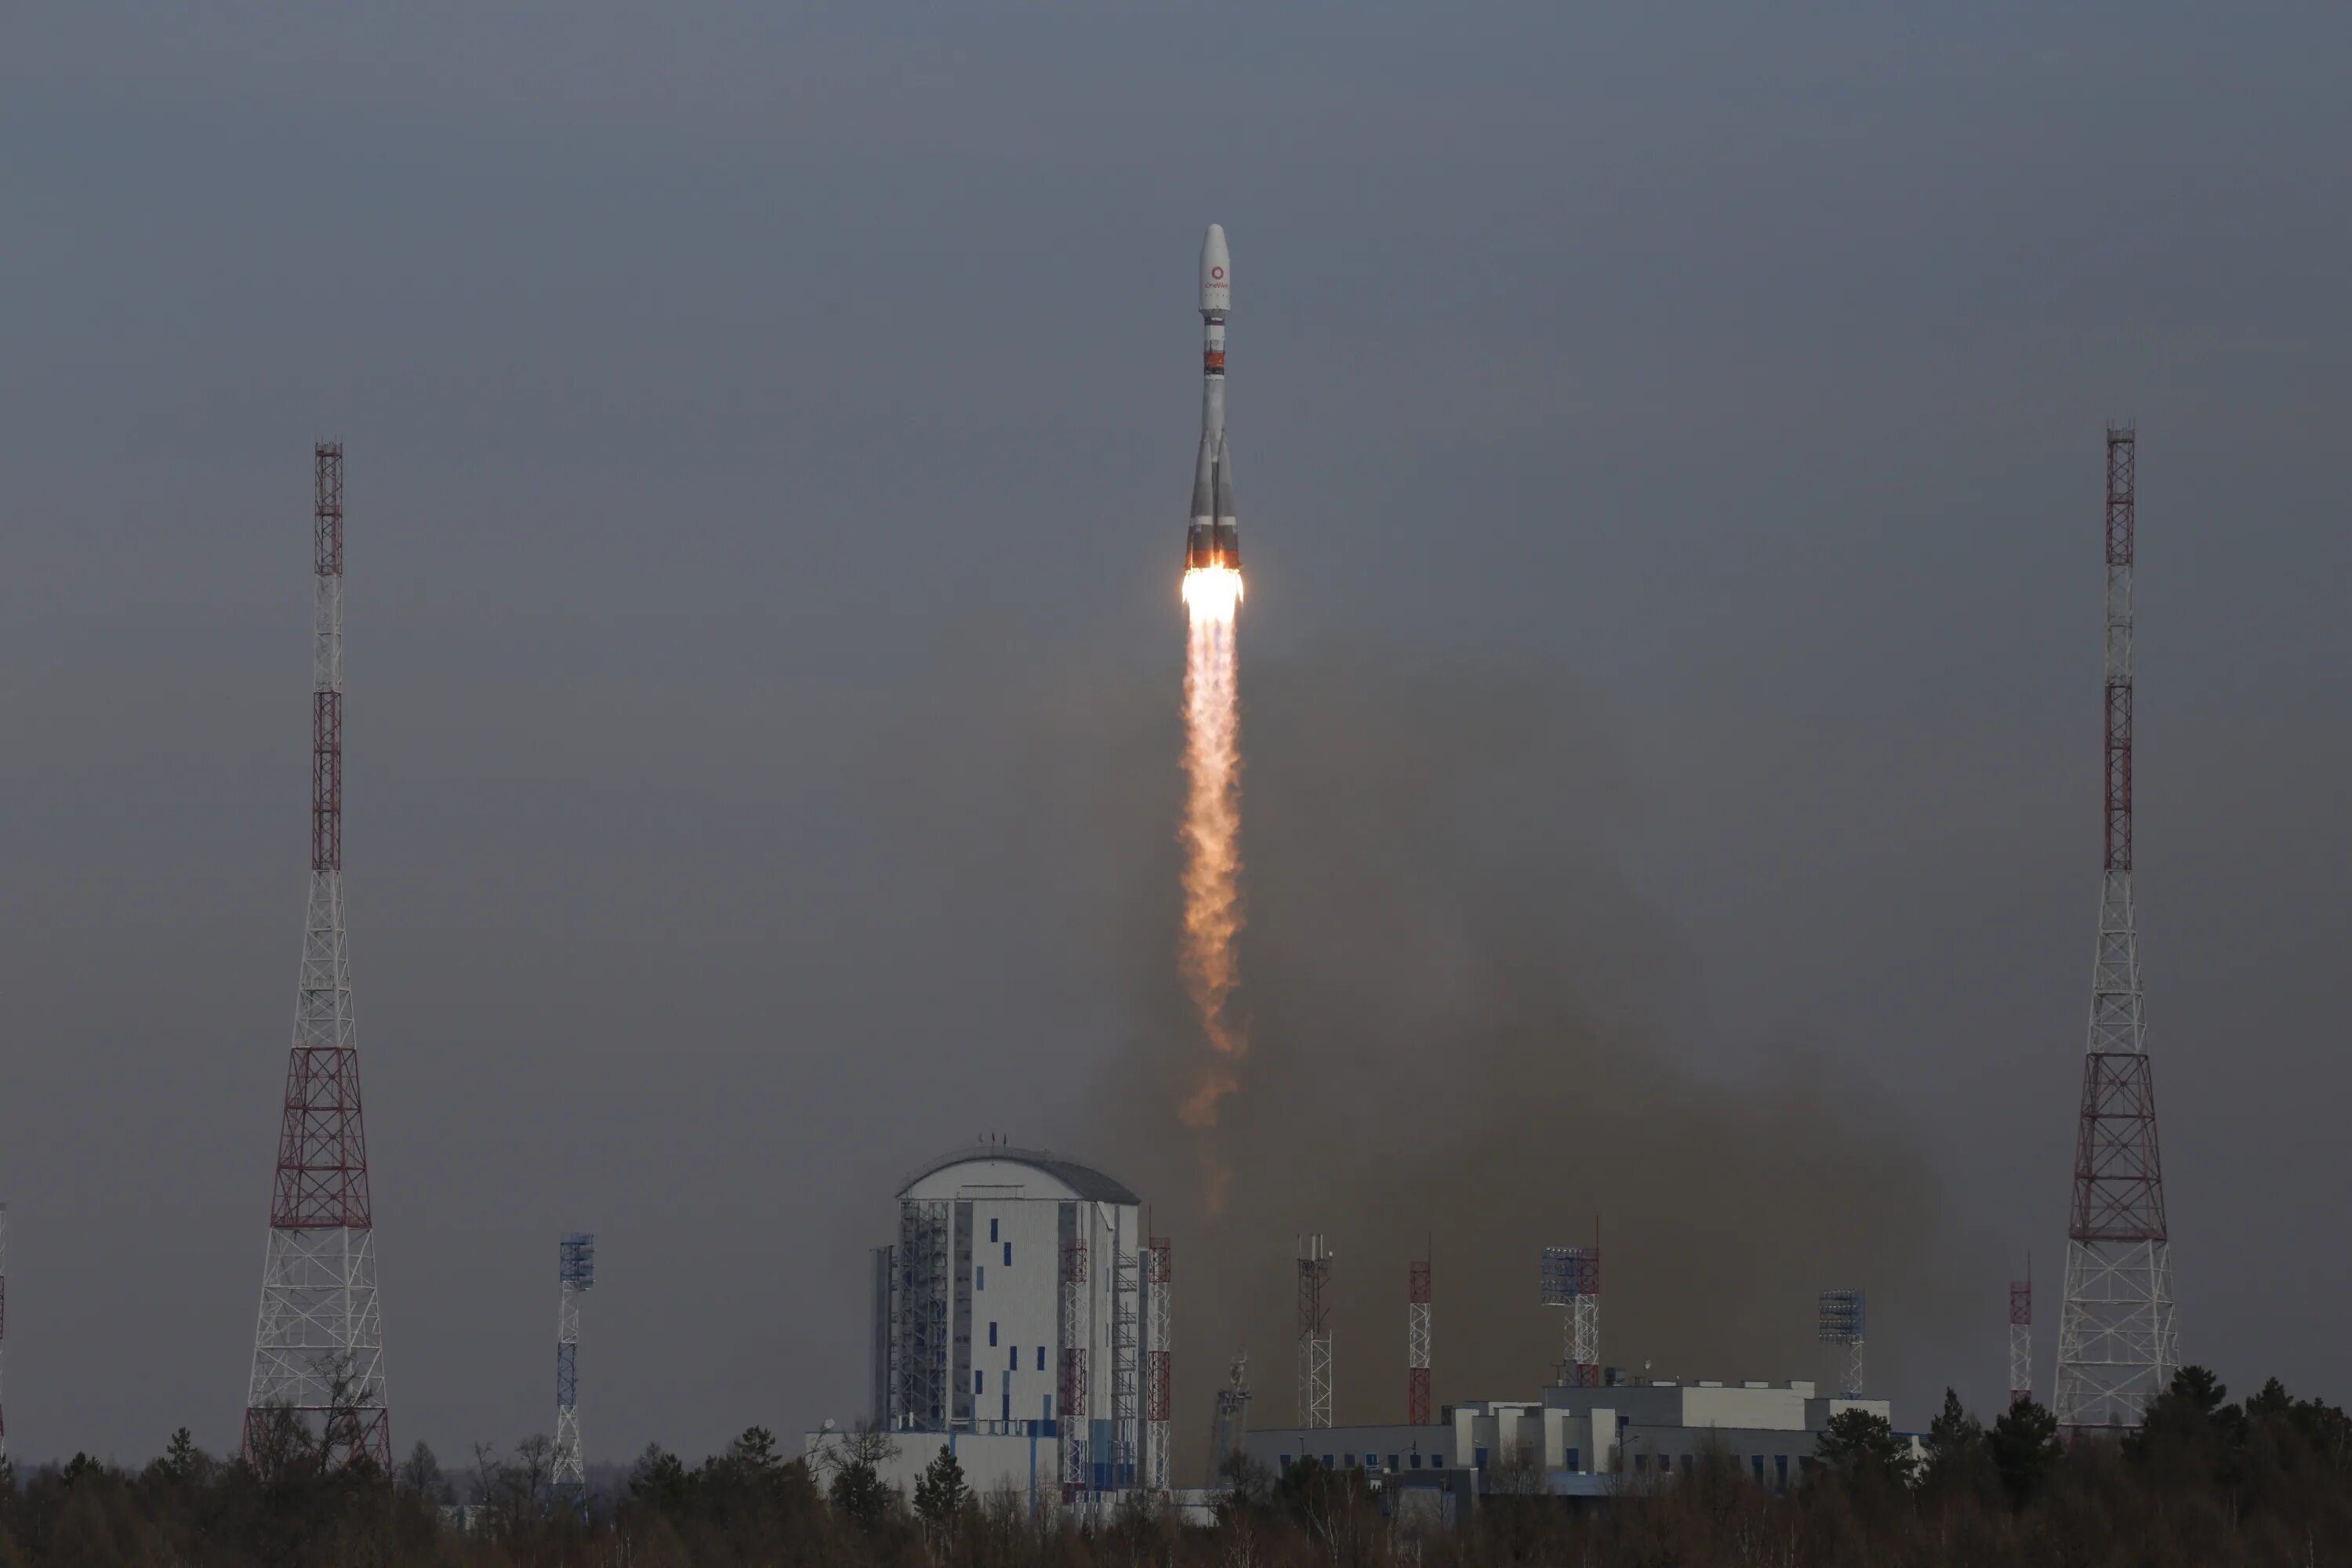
[(1214, 540)]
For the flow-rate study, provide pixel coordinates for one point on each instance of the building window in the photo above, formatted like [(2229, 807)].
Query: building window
[(1393, 1461), (979, 1278), (1351, 1461), (1482, 1458), (1417, 1461), (1641, 1463), (1326, 1461), (980, 1386), (1781, 1473), (1758, 1460), (991, 1230), (1013, 1362), (1573, 1457), (1284, 1461), (1041, 1358), (1007, 1415), (1008, 1255), (1049, 1407), (992, 1333)]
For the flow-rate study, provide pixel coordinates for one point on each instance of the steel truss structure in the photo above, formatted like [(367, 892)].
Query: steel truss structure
[(4, 1326), (2117, 1344), (1845, 1318), (318, 1346), (1569, 1278), (1416, 1345), (575, 1273), (1159, 1382), (2021, 1340), (1126, 1362), (926, 1235), (1313, 1333), (1232, 1419), (1077, 1406)]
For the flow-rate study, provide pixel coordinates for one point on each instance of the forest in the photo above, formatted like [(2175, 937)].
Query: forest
[(2266, 1479)]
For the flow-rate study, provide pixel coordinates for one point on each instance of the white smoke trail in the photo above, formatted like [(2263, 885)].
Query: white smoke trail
[(1213, 862)]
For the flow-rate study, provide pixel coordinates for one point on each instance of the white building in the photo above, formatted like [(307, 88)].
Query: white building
[(1581, 1438), (1021, 1321)]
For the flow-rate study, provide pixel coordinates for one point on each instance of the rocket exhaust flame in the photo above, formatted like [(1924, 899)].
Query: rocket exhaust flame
[(1212, 910)]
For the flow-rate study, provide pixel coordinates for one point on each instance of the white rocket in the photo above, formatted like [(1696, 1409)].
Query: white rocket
[(1214, 540)]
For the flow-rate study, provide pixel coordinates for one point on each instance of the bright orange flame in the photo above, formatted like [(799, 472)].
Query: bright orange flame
[(1212, 865)]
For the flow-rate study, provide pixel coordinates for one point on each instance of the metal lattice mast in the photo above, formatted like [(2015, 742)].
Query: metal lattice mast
[(1570, 1280), (1416, 1345), (1077, 1331), (1125, 1363), (575, 1273), (2116, 1349), (1844, 1318), (318, 1346), (2021, 1340), (1231, 1418), (1314, 1334), (1159, 1382)]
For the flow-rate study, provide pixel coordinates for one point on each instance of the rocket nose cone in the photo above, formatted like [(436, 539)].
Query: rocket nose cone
[(1216, 271)]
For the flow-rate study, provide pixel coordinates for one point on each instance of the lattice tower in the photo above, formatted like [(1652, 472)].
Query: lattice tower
[(1570, 1281), (2117, 1343), (1844, 1318), (1231, 1418), (1159, 1386), (1313, 1333), (1416, 1345), (575, 1273), (318, 1346), (1077, 1406), (1126, 1362)]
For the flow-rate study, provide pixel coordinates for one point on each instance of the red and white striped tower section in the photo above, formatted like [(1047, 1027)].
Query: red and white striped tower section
[(2116, 1349), (1159, 1380), (317, 1348), (2020, 1341), (1416, 1345)]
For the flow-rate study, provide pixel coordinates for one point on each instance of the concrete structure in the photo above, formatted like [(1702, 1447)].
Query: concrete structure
[(1014, 1322), (1585, 1441)]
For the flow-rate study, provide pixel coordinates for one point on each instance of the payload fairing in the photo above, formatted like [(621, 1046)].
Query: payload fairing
[(1214, 540)]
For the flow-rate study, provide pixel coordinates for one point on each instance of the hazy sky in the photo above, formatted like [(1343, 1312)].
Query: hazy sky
[(769, 434)]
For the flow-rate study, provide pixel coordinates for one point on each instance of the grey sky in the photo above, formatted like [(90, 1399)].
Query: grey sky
[(726, 386)]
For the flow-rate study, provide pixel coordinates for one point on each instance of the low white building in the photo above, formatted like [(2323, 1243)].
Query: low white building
[(1021, 1321), (1576, 1439)]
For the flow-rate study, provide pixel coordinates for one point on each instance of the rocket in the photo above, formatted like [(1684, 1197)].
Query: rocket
[(1214, 540)]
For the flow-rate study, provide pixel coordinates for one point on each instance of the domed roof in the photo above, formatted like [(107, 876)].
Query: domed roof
[(1084, 1180)]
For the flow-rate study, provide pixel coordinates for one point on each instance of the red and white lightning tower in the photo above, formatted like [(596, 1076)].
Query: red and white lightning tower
[(1416, 1345), (317, 1348), (2116, 1349), (2020, 1339)]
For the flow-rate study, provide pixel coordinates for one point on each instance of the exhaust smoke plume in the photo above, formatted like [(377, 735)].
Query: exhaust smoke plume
[(1212, 835)]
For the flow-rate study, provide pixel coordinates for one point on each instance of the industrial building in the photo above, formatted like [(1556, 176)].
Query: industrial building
[(1021, 1321), (1583, 1440)]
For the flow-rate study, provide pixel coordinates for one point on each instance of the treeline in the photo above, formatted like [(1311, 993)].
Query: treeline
[(2264, 1481)]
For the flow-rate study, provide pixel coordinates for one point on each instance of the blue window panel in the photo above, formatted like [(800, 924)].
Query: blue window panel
[(1012, 1362), (1326, 1461), (991, 1230), (992, 1333), (1049, 1407), (1041, 1358), (1781, 1473), (1393, 1461), (1351, 1461), (1574, 1456), (1007, 1415), (979, 1278), (980, 1386), (1482, 1458), (1760, 1470), (1008, 1255), (1417, 1461)]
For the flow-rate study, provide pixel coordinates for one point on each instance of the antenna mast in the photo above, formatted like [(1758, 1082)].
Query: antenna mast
[(2116, 1349)]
